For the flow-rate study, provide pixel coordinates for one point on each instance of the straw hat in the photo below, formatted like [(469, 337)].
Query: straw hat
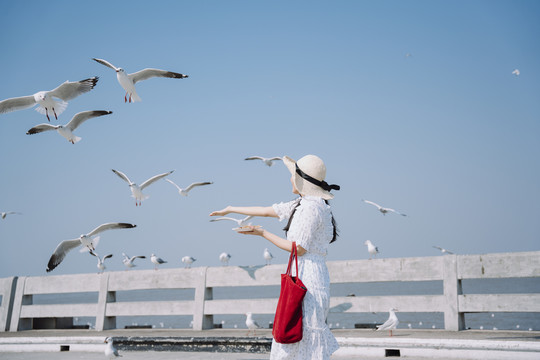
[(309, 173)]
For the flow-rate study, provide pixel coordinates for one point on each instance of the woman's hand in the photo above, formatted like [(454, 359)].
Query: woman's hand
[(221, 212), (252, 230)]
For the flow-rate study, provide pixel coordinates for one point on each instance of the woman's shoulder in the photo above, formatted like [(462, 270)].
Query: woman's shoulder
[(314, 204)]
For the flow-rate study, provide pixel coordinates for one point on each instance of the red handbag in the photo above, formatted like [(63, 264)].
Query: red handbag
[(287, 327)]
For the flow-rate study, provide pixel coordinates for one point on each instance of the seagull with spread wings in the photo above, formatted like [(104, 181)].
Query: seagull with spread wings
[(101, 260), (6, 213), (383, 210), (184, 192), (128, 261), (443, 250), (84, 240), (46, 99), (240, 222), (267, 161), (136, 190), (67, 130), (128, 81)]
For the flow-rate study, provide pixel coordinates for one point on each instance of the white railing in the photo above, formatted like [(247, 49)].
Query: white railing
[(450, 269)]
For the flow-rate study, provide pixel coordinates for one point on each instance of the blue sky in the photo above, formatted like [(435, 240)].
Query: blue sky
[(446, 135)]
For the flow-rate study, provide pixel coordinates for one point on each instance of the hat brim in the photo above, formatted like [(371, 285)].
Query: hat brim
[(304, 186)]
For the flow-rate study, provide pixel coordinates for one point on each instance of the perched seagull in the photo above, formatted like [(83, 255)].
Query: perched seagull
[(443, 250), (240, 222), (136, 190), (128, 261), (372, 249), (383, 210), (267, 256), (45, 99), (85, 240), (67, 130), (224, 258), (267, 161), (4, 214), (110, 350), (516, 72), (128, 81), (188, 260), (251, 324), (184, 192), (101, 261), (157, 261), (391, 323)]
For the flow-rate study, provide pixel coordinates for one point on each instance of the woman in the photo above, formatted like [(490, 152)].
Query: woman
[(311, 225)]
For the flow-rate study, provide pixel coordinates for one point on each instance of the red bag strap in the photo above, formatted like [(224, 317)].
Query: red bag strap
[(294, 256)]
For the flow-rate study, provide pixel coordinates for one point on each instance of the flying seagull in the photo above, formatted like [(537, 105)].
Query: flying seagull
[(184, 192), (67, 130), (128, 81), (101, 261), (443, 250), (188, 260), (240, 222), (383, 210), (157, 261), (224, 258), (85, 240), (516, 72), (267, 161), (136, 190), (45, 99), (110, 351), (251, 324), (391, 323), (372, 249), (128, 261), (4, 214)]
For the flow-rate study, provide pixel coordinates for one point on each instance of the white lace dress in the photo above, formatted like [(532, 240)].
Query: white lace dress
[(312, 229)]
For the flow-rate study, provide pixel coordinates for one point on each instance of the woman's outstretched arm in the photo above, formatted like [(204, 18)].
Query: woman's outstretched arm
[(247, 210), (280, 242)]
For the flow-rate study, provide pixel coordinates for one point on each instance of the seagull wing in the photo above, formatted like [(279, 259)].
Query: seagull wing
[(17, 103), (150, 73), (247, 218), (254, 158), (275, 158), (110, 226), (41, 128), (154, 179), (137, 256), (395, 211), (178, 187), (197, 184), (107, 256), (70, 90), (81, 117), (106, 63), (122, 176), (61, 251), (225, 218), (372, 203)]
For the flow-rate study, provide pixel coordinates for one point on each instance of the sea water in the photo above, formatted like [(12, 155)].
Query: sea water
[(337, 318)]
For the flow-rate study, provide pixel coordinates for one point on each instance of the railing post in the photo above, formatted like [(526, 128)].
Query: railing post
[(19, 300), (453, 319), (105, 296), (202, 293), (8, 295)]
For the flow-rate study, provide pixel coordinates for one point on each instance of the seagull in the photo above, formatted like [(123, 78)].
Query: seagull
[(372, 249), (184, 192), (128, 81), (128, 261), (101, 261), (516, 72), (188, 260), (240, 222), (443, 250), (67, 130), (85, 240), (383, 210), (267, 161), (45, 99), (4, 214), (157, 261), (391, 323), (136, 190), (251, 324), (110, 350), (224, 258), (267, 256)]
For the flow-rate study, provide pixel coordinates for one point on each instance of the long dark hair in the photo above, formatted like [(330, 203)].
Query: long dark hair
[(334, 224)]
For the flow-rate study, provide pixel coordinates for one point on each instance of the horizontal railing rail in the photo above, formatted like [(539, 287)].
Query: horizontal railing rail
[(18, 311)]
